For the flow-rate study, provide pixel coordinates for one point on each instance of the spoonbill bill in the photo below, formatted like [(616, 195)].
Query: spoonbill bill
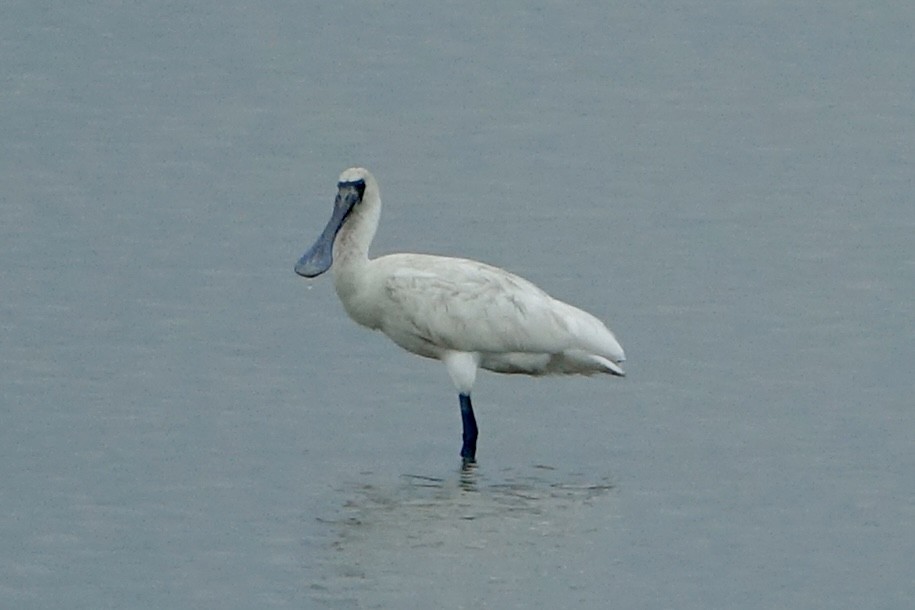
[(467, 314)]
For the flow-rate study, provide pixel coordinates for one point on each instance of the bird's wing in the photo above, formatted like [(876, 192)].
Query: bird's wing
[(465, 305)]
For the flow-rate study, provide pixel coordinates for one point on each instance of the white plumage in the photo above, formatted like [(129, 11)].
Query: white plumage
[(467, 314)]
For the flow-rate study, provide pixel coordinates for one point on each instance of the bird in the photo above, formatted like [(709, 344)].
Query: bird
[(467, 314)]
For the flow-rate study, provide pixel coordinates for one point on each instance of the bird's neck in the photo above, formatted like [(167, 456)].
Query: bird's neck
[(351, 245), (350, 266)]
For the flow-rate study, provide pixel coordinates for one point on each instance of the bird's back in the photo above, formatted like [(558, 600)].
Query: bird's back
[(430, 304)]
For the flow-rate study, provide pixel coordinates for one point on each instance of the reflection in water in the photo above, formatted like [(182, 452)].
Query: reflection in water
[(535, 491), (389, 536), (468, 477)]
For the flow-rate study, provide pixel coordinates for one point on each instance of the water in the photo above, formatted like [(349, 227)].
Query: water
[(187, 424)]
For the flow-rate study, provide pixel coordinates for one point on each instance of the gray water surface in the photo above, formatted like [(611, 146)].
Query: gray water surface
[(187, 424)]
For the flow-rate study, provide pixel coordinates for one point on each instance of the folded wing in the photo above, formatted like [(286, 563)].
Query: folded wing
[(462, 305)]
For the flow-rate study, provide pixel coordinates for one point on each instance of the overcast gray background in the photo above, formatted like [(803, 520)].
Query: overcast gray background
[(187, 424)]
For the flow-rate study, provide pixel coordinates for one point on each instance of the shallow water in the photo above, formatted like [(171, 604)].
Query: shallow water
[(186, 423), (393, 541)]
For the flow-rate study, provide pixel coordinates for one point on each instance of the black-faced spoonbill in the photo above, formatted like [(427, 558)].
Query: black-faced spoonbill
[(467, 314)]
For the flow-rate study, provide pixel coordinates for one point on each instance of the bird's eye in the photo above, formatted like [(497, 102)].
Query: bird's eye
[(358, 185)]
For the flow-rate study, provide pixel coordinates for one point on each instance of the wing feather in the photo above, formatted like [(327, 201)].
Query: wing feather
[(464, 305)]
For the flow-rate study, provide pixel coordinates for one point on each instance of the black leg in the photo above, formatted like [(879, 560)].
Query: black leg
[(469, 448)]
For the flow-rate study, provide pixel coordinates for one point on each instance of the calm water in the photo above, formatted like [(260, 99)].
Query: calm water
[(187, 424)]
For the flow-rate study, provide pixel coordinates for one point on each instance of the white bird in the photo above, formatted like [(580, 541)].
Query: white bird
[(467, 314)]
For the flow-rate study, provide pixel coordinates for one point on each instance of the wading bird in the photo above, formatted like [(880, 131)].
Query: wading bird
[(467, 314)]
